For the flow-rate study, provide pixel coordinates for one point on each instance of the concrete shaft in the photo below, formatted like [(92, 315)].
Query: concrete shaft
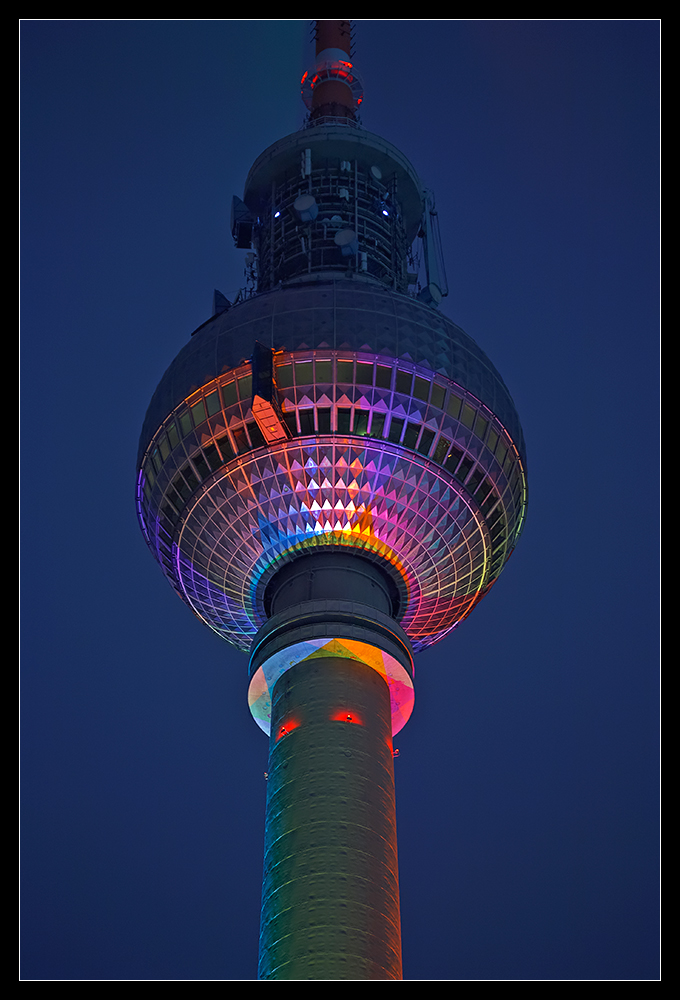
[(330, 902)]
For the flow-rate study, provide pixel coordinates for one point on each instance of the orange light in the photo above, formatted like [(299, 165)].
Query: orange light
[(268, 421)]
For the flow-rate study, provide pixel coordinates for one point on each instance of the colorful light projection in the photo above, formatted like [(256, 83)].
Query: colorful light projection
[(415, 470), (396, 677), (269, 506)]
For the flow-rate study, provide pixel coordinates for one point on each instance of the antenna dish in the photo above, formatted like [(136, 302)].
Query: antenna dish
[(348, 242), (306, 208)]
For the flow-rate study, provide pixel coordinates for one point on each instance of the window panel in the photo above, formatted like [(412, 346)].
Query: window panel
[(481, 425), (213, 457), (290, 421), (201, 465), (303, 373), (383, 377), (284, 376), (411, 435), (425, 443), (224, 444), (180, 486), (438, 394), (240, 439), (453, 408), (173, 436), (229, 396), (324, 371), (441, 450), (396, 427), (467, 416), (464, 468), (361, 421), (198, 412), (344, 420), (190, 476), (345, 371), (403, 382), (306, 421), (454, 458), (256, 437), (378, 424), (245, 388), (213, 403), (185, 423), (421, 388), (364, 373)]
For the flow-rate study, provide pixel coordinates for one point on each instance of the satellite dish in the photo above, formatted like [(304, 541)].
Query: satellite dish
[(431, 294), (348, 242), (306, 208)]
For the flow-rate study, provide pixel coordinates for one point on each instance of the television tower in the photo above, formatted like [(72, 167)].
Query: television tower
[(331, 475)]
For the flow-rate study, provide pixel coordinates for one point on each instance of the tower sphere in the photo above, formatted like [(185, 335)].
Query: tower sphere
[(402, 443)]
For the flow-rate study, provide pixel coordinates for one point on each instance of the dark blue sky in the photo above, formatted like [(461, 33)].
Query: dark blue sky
[(527, 781)]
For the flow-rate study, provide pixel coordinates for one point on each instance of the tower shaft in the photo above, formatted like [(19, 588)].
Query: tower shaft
[(334, 670), (330, 901)]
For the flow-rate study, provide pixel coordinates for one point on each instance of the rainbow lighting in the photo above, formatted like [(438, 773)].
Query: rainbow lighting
[(331, 474)]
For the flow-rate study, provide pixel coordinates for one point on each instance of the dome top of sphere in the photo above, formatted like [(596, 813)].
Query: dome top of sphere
[(343, 316)]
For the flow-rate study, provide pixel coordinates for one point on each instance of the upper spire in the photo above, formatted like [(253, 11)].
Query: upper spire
[(331, 88)]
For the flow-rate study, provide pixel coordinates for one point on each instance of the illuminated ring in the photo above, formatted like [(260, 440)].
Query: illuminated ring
[(332, 69), (390, 668)]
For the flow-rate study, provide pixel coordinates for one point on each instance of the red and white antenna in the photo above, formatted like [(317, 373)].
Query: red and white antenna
[(331, 88)]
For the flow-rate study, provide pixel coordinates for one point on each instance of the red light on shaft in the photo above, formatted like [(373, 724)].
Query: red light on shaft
[(287, 728), (347, 715)]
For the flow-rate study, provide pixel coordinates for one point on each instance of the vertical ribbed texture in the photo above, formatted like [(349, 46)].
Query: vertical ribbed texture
[(330, 899)]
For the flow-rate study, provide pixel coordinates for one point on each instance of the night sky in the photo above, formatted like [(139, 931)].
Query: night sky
[(527, 781)]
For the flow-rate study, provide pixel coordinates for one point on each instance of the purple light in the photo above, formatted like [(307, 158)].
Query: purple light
[(373, 496)]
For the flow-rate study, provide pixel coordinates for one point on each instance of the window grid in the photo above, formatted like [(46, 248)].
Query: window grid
[(215, 425)]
